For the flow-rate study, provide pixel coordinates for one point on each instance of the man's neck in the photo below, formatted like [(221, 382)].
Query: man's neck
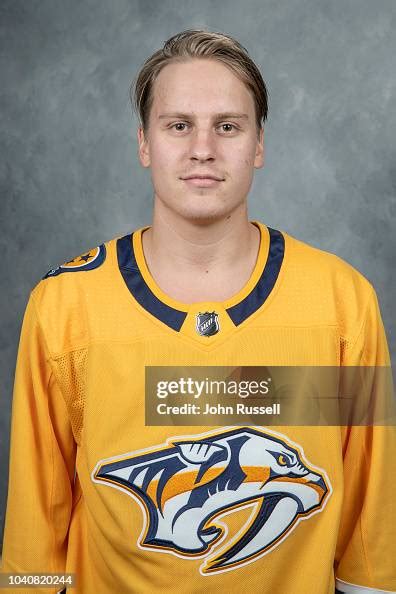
[(191, 261)]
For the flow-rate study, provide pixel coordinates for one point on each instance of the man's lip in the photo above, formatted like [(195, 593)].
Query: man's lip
[(203, 177)]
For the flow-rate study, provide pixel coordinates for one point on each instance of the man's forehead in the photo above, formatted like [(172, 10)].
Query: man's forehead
[(199, 106), (179, 83), (207, 114), (188, 97)]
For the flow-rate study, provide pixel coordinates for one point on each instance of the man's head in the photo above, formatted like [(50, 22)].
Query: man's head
[(202, 103)]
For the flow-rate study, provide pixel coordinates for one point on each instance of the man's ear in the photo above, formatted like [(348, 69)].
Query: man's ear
[(259, 156), (144, 153)]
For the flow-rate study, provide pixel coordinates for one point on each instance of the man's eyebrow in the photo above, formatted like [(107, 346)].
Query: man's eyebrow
[(218, 116)]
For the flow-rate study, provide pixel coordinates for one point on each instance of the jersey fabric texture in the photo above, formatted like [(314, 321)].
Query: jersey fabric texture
[(136, 509)]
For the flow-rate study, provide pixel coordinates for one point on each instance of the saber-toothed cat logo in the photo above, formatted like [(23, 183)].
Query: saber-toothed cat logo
[(188, 483)]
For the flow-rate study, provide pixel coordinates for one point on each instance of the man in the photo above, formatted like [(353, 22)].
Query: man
[(130, 506)]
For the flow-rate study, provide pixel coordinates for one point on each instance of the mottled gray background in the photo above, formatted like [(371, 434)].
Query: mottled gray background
[(70, 178)]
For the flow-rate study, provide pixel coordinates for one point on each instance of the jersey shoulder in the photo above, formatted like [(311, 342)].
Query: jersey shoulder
[(88, 260), (325, 268), (65, 293), (327, 287), (100, 257)]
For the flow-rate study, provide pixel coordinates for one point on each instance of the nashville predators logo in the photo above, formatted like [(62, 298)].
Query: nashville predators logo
[(187, 485), (88, 261)]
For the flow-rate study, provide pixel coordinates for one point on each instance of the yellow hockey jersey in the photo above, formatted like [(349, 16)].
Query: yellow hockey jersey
[(133, 509)]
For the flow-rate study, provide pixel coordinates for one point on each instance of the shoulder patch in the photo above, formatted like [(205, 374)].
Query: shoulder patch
[(87, 261)]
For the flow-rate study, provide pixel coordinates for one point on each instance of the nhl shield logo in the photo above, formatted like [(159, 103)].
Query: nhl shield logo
[(207, 323)]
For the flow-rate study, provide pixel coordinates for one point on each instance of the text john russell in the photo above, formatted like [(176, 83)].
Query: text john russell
[(218, 409)]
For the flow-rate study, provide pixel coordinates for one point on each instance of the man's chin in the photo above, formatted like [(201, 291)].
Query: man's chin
[(202, 210), (204, 217)]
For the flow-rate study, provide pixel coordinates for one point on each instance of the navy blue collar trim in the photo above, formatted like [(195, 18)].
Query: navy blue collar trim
[(174, 318), (245, 308), (139, 288)]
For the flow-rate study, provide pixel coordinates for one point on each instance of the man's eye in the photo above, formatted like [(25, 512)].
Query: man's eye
[(177, 126), (229, 126)]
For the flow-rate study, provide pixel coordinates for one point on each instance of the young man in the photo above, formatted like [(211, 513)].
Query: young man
[(134, 507)]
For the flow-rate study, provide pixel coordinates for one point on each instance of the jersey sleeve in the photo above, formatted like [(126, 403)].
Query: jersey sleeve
[(366, 547), (41, 463)]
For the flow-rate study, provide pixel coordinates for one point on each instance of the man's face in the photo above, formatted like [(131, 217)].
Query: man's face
[(202, 122)]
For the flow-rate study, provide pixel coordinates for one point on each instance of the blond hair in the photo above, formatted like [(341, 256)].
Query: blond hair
[(199, 43)]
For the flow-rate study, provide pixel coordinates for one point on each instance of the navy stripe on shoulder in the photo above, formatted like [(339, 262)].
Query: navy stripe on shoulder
[(245, 308), (135, 282)]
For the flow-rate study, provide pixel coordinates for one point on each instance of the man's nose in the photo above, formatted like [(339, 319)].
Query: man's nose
[(202, 145)]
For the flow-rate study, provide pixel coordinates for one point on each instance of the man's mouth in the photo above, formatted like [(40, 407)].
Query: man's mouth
[(202, 180)]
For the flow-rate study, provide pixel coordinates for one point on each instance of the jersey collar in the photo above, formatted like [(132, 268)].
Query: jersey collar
[(240, 307)]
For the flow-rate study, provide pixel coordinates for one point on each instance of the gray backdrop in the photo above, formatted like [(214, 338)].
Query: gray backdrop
[(70, 178)]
